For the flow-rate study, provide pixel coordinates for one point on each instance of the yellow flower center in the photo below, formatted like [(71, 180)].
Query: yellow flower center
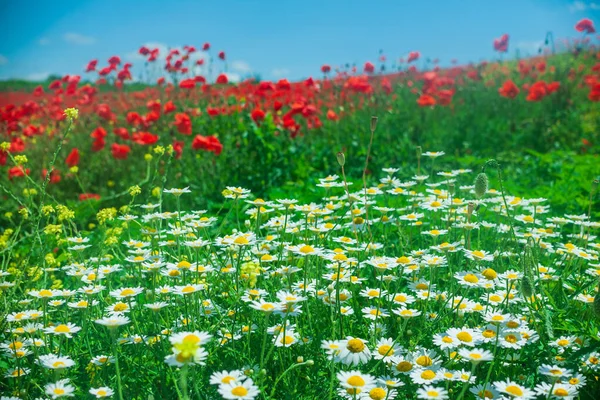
[(385, 350), (59, 391), (267, 307), (471, 278), (489, 273), (424, 361), (287, 339), (306, 249), (528, 218), (127, 292), (428, 374), (355, 380), (187, 289), (514, 390), (58, 364), (355, 345), (377, 394), (511, 338), (475, 356), (563, 342), (465, 337), (45, 293), (241, 241), (403, 366), (435, 204), (239, 391), (120, 307), (62, 328)]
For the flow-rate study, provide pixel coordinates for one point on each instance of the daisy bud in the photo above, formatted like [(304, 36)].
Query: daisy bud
[(300, 359), (373, 123), (341, 159), (481, 185)]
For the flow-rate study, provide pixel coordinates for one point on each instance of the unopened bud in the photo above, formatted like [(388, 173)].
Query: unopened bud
[(481, 185), (373, 123), (300, 359), (526, 287), (470, 209), (595, 186), (451, 188), (419, 151), (341, 159)]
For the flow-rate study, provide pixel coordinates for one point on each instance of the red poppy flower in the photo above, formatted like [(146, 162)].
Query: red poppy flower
[(17, 172), (209, 143), (114, 60), (332, 116), (89, 196), (169, 107), (73, 158), (501, 44), (189, 83), (160, 81), (585, 25), (120, 151), (145, 138), (509, 89), (178, 148), (257, 115), (222, 55), (38, 91), (206, 46), (325, 68), (222, 79), (537, 91), (91, 66), (426, 100), (122, 133), (413, 56), (369, 67), (183, 123)]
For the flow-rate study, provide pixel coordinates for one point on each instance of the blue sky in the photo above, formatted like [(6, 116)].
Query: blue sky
[(275, 38)]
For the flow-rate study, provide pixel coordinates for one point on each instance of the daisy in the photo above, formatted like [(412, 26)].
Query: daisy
[(59, 389), (355, 382), (482, 392), (63, 329), (102, 392), (188, 289), (469, 279), (479, 255), (430, 392), (353, 351), (465, 336), (554, 372), (514, 390), (407, 313), (177, 192), (113, 321), (124, 293), (386, 348), (475, 355), (225, 377), (52, 361), (102, 360), (238, 390), (425, 376), (556, 391)]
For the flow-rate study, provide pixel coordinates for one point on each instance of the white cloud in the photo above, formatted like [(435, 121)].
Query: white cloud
[(44, 41), (3, 60), (77, 38), (241, 67), (280, 72), (37, 76), (529, 47), (578, 6), (233, 77)]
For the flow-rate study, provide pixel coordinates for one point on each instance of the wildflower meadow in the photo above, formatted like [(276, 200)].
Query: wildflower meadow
[(394, 230)]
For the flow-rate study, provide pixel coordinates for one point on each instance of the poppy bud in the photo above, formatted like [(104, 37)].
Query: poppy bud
[(341, 159), (526, 287), (594, 186), (451, 188), (419, 151), (481, 185), (373, 123)]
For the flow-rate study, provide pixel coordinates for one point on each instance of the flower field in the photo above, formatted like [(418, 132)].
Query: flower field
[(397, 230)]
